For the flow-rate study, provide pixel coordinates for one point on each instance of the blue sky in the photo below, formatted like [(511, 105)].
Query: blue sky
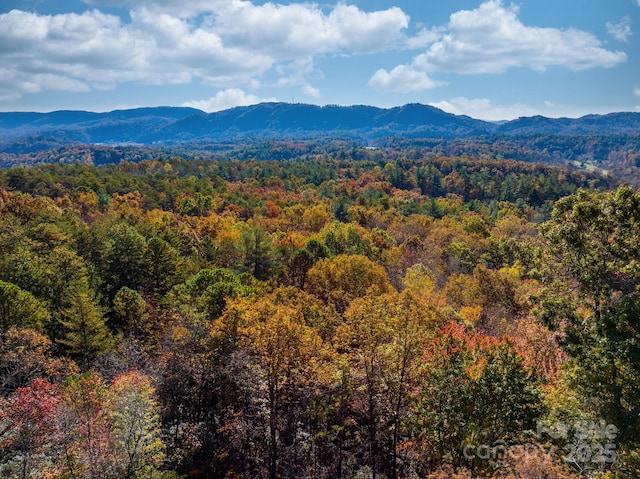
[(490, 59)]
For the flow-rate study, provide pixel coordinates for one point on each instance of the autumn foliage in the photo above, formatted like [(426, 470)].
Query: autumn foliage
[(346, 313)]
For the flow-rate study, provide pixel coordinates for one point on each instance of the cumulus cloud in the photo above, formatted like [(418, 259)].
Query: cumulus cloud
[(182, 9), (302, 25), (402, 79), (298, 29), (363, 32), (226, 99), (65, 52), (636, 90), (296, 73), (311, 91), (227, 44), (492, 39), (483, 109), (621, 31), (462, 105), (424, 38)]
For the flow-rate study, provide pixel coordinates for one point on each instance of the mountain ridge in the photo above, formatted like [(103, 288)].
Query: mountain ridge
[(175, 125)]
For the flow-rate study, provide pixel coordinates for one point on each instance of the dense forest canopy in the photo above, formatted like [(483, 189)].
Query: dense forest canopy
[(334, 312), (608, 143), (612, 154)]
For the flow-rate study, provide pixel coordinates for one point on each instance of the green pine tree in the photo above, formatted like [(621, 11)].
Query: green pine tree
[(20, 308), (86, 334)]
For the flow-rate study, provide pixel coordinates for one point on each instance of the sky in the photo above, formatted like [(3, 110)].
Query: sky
[(492, 59)]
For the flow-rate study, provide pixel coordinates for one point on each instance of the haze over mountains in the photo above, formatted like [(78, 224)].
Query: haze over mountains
[(168, 126)]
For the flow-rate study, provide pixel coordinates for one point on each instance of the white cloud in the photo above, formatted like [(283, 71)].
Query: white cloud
[(424, 38), (363, 32), (66, 52), (483, 109), (492, 39), (296, 73), (402, 79), (226, 99), (301, 29), (463, 106), (296, 26), (311, 91), (636, 90), (182, 8), (223, 43), (621, 31)]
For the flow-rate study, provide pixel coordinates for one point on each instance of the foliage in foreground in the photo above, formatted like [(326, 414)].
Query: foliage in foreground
[(378, 317)]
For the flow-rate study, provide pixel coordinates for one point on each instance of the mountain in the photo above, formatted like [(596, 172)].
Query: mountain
[(613, 123), (299, 120), (23, 132), (68, 127), (68, 118)]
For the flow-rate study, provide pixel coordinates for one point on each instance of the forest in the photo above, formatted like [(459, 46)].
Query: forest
[(290, 311)]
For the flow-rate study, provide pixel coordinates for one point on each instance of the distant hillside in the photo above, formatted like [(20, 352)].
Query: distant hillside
[(28, 132), (22, 132), (298, 120), (170, 126), (80, 119), (609, 143), (613, 123)]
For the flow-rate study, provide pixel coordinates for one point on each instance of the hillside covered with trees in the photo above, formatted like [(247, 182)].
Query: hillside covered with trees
[(605, 143), (327, 312)]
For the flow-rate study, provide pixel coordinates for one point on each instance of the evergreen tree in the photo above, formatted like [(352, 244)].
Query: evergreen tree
[(125, 258), (86, 334), (20, 308), (164, 269), (259, 256), (129, 308)]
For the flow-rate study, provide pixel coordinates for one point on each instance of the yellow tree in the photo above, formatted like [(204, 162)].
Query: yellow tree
[(135, 426), (340, 280), (383, 337), (286, 349)]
